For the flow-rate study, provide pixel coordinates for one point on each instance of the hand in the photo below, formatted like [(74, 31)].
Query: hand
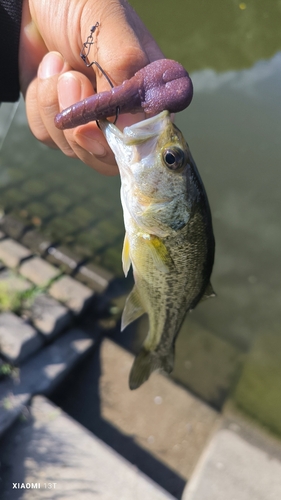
[(53, 76)]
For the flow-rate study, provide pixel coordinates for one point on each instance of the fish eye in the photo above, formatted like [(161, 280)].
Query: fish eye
[(174, 158)]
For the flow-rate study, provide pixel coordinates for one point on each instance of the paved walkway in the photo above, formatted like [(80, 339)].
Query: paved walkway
[(158, 442)]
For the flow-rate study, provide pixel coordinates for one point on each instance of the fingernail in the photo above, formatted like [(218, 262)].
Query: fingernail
[(51, 65), (91, 145), (69, 90)]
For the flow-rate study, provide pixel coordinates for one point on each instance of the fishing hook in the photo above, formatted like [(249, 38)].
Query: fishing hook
[(84, 56)]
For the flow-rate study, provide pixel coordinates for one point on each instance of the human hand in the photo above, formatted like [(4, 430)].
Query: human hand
[(53, 76)]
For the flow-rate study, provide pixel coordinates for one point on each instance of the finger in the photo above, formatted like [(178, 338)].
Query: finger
[(35, 122), (41, 98), (49, 70), (123, 45), (100, 164), (87, 141), (116, 46)]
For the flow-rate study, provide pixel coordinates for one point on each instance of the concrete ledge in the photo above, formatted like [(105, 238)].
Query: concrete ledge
[(18, 339), (237, 466), (41, 374), (51, 448), (159, 420), (95, 277), (62, 257)]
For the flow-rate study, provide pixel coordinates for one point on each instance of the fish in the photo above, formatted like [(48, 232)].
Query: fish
[(169, 238)]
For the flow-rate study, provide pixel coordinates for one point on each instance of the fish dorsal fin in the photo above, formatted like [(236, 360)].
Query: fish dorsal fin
[(209, 292), (160, 254), (133, 309), (126, 260)]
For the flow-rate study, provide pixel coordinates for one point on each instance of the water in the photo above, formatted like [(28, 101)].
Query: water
[(229, 348)]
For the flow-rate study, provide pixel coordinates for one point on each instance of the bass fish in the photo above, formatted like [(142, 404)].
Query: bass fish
[(169, 238)]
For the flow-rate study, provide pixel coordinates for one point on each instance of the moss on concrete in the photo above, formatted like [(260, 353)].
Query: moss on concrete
[(258, 392)]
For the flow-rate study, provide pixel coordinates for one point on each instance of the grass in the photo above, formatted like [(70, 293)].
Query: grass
[(16, 301)]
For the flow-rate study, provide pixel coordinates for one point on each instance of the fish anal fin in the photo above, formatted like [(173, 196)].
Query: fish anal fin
[(160, 254), (209, 292), (147, 362), (133, 309), (126, 260)]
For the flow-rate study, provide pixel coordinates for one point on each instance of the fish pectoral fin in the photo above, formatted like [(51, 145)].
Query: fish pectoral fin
[(160, 254), (133, 309), (209, 292), (146, 363), (126, 260)]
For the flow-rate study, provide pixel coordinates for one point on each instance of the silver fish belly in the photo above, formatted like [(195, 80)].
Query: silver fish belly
[(169, 238)]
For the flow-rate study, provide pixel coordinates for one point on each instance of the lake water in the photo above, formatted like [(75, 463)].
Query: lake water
[(229, 349)]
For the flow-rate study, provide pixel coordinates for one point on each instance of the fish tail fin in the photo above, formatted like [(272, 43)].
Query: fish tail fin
[(147, 362)]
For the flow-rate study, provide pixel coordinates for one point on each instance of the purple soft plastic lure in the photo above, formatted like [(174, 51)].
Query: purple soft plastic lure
[(161, 85)]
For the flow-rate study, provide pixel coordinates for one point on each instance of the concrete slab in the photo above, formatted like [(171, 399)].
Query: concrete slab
[(64, 460), (12, 291), (73, 294), (38, 271), (12, 252), (237, 465), (49, 316), (18, 339), (187, 423), (95, 277), (41, 374), (12, 282)]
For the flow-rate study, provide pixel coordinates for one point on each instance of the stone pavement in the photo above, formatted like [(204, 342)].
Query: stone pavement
[(42, 340), (40, 304), (54, 457), (159, 434)]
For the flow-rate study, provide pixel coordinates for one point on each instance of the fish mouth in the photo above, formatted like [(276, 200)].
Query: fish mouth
[(146, 129), (148, 121), (138, 132)]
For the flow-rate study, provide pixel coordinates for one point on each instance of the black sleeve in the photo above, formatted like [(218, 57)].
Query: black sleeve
[(10, 21)]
